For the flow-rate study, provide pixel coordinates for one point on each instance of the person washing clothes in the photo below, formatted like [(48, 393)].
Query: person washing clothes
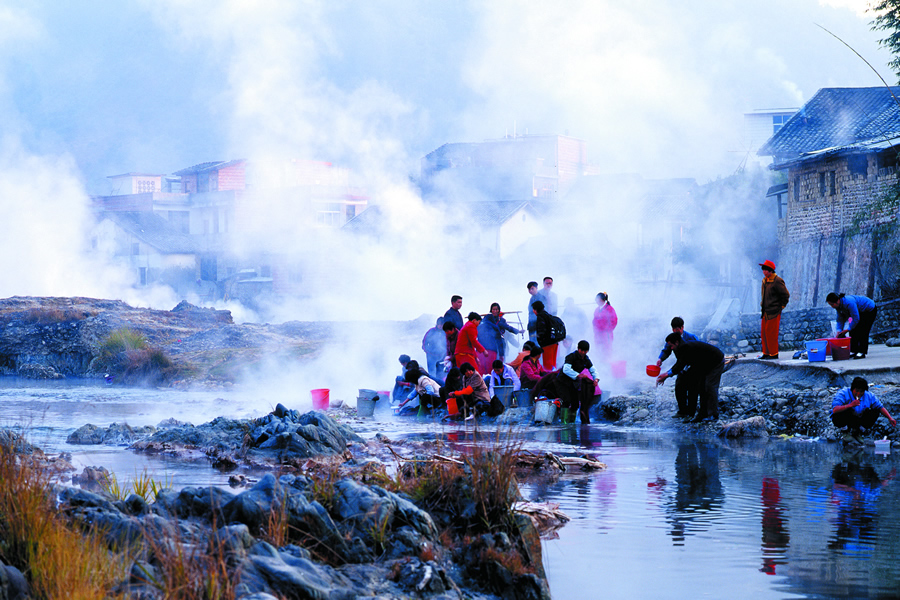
[(856, 314), (855, 409)]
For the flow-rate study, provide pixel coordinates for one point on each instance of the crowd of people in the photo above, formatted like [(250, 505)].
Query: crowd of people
[(468, 358)]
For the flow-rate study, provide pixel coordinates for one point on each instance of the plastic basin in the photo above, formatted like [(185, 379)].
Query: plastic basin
[(815, 350), (652, 370)]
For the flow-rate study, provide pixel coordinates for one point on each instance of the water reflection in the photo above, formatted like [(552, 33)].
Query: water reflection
[(775, 536), (855, 492), (698, 489)]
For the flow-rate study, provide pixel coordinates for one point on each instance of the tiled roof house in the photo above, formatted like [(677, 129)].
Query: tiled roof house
[(840, 155)]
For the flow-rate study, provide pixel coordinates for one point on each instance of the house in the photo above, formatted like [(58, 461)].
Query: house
[(543, 167), (838, 155), (234, 211), (497, 228), (152, 249)]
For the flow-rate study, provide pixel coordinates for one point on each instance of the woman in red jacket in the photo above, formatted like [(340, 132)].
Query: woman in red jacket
[(605, 321), (467, 343)]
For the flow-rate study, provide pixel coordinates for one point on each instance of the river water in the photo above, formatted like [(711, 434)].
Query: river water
[(673, 516)]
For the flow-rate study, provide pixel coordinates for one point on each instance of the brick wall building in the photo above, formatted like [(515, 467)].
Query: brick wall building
[(836, 229)]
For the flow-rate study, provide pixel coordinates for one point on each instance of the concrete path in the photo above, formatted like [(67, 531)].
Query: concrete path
[(881, 363)]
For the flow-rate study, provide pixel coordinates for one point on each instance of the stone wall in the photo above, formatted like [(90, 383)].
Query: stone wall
[(799, 326), (836, 235)]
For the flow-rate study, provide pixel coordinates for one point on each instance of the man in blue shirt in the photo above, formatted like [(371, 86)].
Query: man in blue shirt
[(685, 394), (855, 316), (854, 410)]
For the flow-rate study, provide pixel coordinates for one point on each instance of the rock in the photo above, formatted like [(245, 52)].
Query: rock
[(752, 427), (36, 371), (118, 434)]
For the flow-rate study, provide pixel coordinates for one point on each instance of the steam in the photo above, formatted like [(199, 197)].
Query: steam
[(657, 89)]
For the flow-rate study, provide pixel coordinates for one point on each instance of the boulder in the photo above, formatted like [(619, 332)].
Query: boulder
[(753, 427)]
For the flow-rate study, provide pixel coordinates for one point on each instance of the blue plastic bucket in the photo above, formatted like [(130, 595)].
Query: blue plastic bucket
[(815, 350)]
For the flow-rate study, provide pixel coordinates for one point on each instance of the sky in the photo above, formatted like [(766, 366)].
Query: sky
[(656, 88)]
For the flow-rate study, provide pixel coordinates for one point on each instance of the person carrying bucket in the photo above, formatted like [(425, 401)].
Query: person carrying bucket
[(685, 394)]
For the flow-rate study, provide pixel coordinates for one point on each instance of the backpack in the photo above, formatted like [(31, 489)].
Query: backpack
[(557, 329)]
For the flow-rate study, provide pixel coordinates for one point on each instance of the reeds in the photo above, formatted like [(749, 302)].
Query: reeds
[(58, 560)]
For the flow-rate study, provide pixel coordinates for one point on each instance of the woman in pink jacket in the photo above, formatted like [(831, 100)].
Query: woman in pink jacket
[(605, 320)]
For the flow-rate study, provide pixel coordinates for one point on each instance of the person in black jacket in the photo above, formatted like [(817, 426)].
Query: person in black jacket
[(706, 364)]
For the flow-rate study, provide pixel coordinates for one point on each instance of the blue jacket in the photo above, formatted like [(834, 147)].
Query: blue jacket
[(868, 400), (687, 337), (849, 307)]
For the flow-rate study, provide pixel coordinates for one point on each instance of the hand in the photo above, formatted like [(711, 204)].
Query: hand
[(661, 378), (855, 402), (892, 421), (658, 363)]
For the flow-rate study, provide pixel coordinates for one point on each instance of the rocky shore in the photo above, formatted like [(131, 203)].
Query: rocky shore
[(323, 519)]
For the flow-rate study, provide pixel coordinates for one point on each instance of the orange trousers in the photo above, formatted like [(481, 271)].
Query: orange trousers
[(770, 327), (550, 356)]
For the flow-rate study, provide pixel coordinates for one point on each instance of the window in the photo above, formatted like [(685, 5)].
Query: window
[(832, 189), (146, 186), (351, 211), (135, 248), (797, 189), (778, 122), (142, 274), (208, 270), (858, 166), (822, 184), (328, 218)]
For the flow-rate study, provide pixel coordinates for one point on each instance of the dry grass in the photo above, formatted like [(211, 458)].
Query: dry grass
[(192, 571), (58, 560), (50, 316)]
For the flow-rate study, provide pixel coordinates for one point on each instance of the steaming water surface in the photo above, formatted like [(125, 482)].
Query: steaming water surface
[(673, 516)]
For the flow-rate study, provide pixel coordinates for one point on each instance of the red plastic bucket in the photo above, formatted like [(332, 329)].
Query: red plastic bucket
[(652, 370), (320, 398), (451, 406)]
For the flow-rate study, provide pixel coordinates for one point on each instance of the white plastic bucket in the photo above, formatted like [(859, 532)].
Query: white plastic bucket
[(544, 411)]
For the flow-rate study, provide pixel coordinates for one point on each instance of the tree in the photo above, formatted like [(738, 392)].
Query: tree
[(887, 19)]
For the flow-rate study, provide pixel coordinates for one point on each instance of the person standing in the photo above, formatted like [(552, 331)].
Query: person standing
[(605, 321), (544, 329), (774, 297), (453, 315), (856, 314), (548, 296), (576, 388), (467, 344), (707, 363), (451, 333), (490, 333), (434, 344), (854, 410), (685, 395), (532, 319)]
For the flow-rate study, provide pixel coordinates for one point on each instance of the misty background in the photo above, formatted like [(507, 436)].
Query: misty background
[(656, 89)]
